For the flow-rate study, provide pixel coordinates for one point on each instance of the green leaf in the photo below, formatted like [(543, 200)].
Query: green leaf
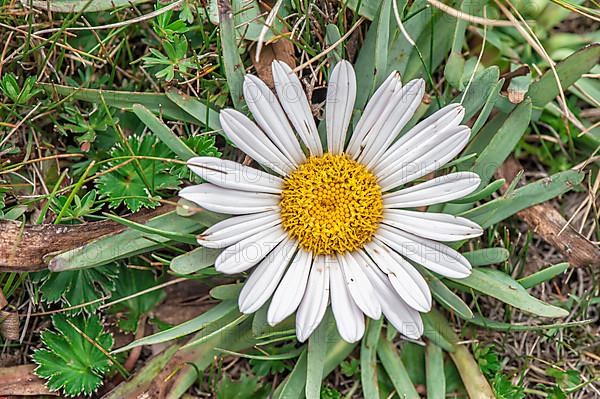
[(193, 261), (448, 299), (245, 387), (500, 286), (317, 349), (534, 193), (486, 256), (569, 71), (368, 361), (227, 291), (73, 6), (486, 110), (234, 68), (194, 108), (293, 385), (129, 242), (543, 275), (481, 194), (68, 360), (434, 370), (503, 142), (481, 321), (382, 42), (366, 8), (165, 134), (205, 320), (78, 287), (131, 282), (156, 102), (470, 373), (136, 183), (454, 69), (218, 327), (390, 359), (438, 330), (171, 235)]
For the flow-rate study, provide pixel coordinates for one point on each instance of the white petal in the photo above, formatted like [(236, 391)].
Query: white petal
[(270, 117), (431, 254), (435, 191), (372, 113), (359, 286), (315, 300), (427, 158), (288, 295), (396, 115), (404, 318), (233, 202), (435, 226), (233, 175), (348, 317), (264, 279), (237, 228), (253, 141), (428, 129), (341, 93), (406, 280), (248, 252), (296, 106)]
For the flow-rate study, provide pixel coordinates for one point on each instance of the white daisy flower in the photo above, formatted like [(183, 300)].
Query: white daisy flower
[(334, 224)]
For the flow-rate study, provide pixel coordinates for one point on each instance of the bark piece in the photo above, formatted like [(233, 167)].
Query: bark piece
[(25, 248), (547, 222), (21, 381)]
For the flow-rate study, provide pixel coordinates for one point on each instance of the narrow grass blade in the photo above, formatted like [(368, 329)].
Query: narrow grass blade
[(198, 323), (163, 132), (218, 327), (508, 327), (155, 102), (390, 359), (196, 109), (72, 6)]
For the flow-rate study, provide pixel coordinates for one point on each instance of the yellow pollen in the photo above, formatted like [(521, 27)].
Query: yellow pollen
[(331, 204)]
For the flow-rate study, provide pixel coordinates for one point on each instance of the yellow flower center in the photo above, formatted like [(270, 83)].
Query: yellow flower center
[(331, 204)]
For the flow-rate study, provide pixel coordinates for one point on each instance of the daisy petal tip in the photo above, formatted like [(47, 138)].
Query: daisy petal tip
[(301, 337)]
